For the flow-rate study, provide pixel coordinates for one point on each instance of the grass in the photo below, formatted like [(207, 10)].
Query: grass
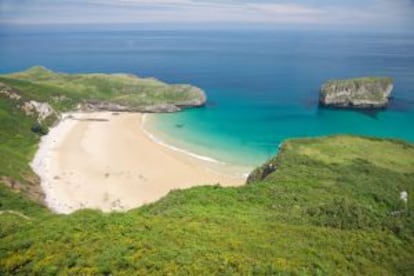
[(328, 206), (373, 87), (65, 91), (363, 80), (17, 142), (310, 216)]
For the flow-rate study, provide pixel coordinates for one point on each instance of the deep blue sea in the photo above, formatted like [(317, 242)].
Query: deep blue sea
[(262, 85)]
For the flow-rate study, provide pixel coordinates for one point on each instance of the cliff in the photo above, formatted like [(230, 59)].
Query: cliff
[(367, 92), (97, 91)]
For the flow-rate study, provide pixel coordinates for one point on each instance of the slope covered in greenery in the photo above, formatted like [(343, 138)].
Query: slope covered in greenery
[(322, 206), (331, 206), (66, 92)]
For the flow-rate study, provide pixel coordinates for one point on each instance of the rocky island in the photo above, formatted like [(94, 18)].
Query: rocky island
[(360, 93)]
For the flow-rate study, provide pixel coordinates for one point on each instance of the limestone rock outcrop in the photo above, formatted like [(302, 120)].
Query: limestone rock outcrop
[(359, 93)]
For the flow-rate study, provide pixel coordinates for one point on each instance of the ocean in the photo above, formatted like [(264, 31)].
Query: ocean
[(262, 85)]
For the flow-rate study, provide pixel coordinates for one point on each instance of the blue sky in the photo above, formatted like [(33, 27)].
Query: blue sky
[(397, 14)]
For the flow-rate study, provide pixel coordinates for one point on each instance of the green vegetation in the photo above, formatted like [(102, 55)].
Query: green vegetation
[(327, 209), (367, 92), (39, 128), (322, 206), (66, 91), (17, 141), (20, 129), (385, 81)]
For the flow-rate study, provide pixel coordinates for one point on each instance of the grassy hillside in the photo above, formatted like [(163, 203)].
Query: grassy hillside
[(332, 206), (322, 206), (17, 147), (65, 92)]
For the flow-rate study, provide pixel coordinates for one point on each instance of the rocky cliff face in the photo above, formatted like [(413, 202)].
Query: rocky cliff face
[(198, 101), (91, 106), (43, 110), (368, 92), (97, 91)]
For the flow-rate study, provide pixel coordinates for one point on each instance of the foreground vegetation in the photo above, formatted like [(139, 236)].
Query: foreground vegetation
[(328, 208), (322, 206)]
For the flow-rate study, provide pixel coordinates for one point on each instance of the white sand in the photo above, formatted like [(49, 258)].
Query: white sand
[(108, 162)]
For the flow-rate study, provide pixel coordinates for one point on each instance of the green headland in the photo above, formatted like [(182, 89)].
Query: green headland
[(102, 91), (31, 101)]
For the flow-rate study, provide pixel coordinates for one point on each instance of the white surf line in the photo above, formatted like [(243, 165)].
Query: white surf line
[(160, 142)]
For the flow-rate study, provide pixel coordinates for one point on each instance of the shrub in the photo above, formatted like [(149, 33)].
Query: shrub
[(39, 128)]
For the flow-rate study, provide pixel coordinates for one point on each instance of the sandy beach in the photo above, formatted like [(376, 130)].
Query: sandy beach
[(108, 161)]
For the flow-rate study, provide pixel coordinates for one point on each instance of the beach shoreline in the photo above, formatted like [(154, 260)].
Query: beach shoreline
[(158, 140), (110, 161)]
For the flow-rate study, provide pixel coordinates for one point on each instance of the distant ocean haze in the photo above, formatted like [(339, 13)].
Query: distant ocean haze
[(262, 86)]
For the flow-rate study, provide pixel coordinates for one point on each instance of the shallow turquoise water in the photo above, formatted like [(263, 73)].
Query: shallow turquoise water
[(257, 138), (262, 85)]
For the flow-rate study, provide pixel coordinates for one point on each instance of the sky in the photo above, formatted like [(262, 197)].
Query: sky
[(388, 14)]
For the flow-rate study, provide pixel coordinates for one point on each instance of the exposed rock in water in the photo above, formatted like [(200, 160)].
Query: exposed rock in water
[(360, 93)]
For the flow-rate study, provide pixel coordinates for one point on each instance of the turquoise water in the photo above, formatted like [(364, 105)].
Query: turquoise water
[(250, 138), (262, 85)]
